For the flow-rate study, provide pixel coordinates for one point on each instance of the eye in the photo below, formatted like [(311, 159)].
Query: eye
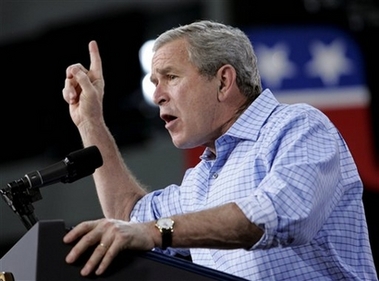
[(171, 77), (154, 82)]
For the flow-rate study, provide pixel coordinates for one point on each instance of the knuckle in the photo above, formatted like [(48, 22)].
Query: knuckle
[(89, 239)]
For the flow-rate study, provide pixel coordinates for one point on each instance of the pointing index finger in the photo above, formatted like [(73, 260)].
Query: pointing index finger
[(95, 67)]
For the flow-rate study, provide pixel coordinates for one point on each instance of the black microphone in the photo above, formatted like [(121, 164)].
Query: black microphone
[(76, 165)]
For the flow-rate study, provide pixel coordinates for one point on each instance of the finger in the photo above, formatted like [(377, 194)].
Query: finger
[(69, 93), (72, 89), (80, 248), (96, 257), (89, 237), (96, 65), (101, 258), (69, 69), (81, 80), (79, 231), (110, 254)]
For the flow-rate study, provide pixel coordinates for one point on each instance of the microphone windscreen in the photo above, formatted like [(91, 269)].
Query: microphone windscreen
[(82, 163)]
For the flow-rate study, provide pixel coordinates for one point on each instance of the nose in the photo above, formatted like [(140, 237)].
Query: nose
[(160, 96)]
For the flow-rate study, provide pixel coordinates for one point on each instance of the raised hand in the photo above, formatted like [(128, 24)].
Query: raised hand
[(84, 89)]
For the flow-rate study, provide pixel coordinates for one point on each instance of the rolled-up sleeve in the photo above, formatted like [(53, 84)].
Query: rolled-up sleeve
[(301, 187)]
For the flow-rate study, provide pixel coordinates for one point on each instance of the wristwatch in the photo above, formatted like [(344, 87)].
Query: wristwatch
[(166, 228)]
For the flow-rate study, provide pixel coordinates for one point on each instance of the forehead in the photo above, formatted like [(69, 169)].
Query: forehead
[(170, 54)]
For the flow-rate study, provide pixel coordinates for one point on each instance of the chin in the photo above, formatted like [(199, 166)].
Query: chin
[(185, 143), (180, 144)]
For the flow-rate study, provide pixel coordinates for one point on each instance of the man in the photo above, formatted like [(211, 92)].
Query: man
[(276, 195)]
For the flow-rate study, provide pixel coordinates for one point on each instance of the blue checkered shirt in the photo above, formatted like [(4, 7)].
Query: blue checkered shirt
[(291, 173)]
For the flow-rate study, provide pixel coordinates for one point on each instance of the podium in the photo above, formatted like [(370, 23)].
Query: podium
[(40, 256)]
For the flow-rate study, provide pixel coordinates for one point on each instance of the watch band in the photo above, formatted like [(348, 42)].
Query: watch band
[(166, 238)]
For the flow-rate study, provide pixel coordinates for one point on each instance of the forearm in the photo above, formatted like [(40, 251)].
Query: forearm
[(224, 227), (116, 187)]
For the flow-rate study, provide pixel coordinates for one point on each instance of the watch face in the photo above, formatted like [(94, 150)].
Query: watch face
[(166, 223)]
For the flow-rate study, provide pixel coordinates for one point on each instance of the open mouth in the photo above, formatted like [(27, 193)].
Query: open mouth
[(168, 118)]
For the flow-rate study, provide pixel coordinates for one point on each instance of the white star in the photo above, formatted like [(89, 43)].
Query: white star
[(329, 62), (274, 65)]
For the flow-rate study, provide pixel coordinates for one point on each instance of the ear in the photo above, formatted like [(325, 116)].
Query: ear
[(226, 76)]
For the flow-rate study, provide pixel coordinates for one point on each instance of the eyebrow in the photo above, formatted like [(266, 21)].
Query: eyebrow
[(162, 71)]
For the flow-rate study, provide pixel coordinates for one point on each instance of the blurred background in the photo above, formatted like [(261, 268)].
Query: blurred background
[(324, 52)]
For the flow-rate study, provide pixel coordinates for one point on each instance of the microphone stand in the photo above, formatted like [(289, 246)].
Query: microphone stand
[(20, 198)]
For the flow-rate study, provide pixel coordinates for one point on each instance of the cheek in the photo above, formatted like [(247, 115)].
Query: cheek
[(195, 102), (199, 119)]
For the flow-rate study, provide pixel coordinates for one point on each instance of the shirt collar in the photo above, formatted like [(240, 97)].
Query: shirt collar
[(248, 125)]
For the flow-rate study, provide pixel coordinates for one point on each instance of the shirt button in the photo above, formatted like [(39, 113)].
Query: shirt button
[(215, 176)]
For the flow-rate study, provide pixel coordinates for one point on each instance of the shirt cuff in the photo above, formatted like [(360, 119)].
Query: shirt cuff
[(260, 211)]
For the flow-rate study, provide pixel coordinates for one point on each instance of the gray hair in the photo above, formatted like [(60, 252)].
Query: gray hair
[(212, 45)]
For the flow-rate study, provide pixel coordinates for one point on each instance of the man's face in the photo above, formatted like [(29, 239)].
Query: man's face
[(187, 101)]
